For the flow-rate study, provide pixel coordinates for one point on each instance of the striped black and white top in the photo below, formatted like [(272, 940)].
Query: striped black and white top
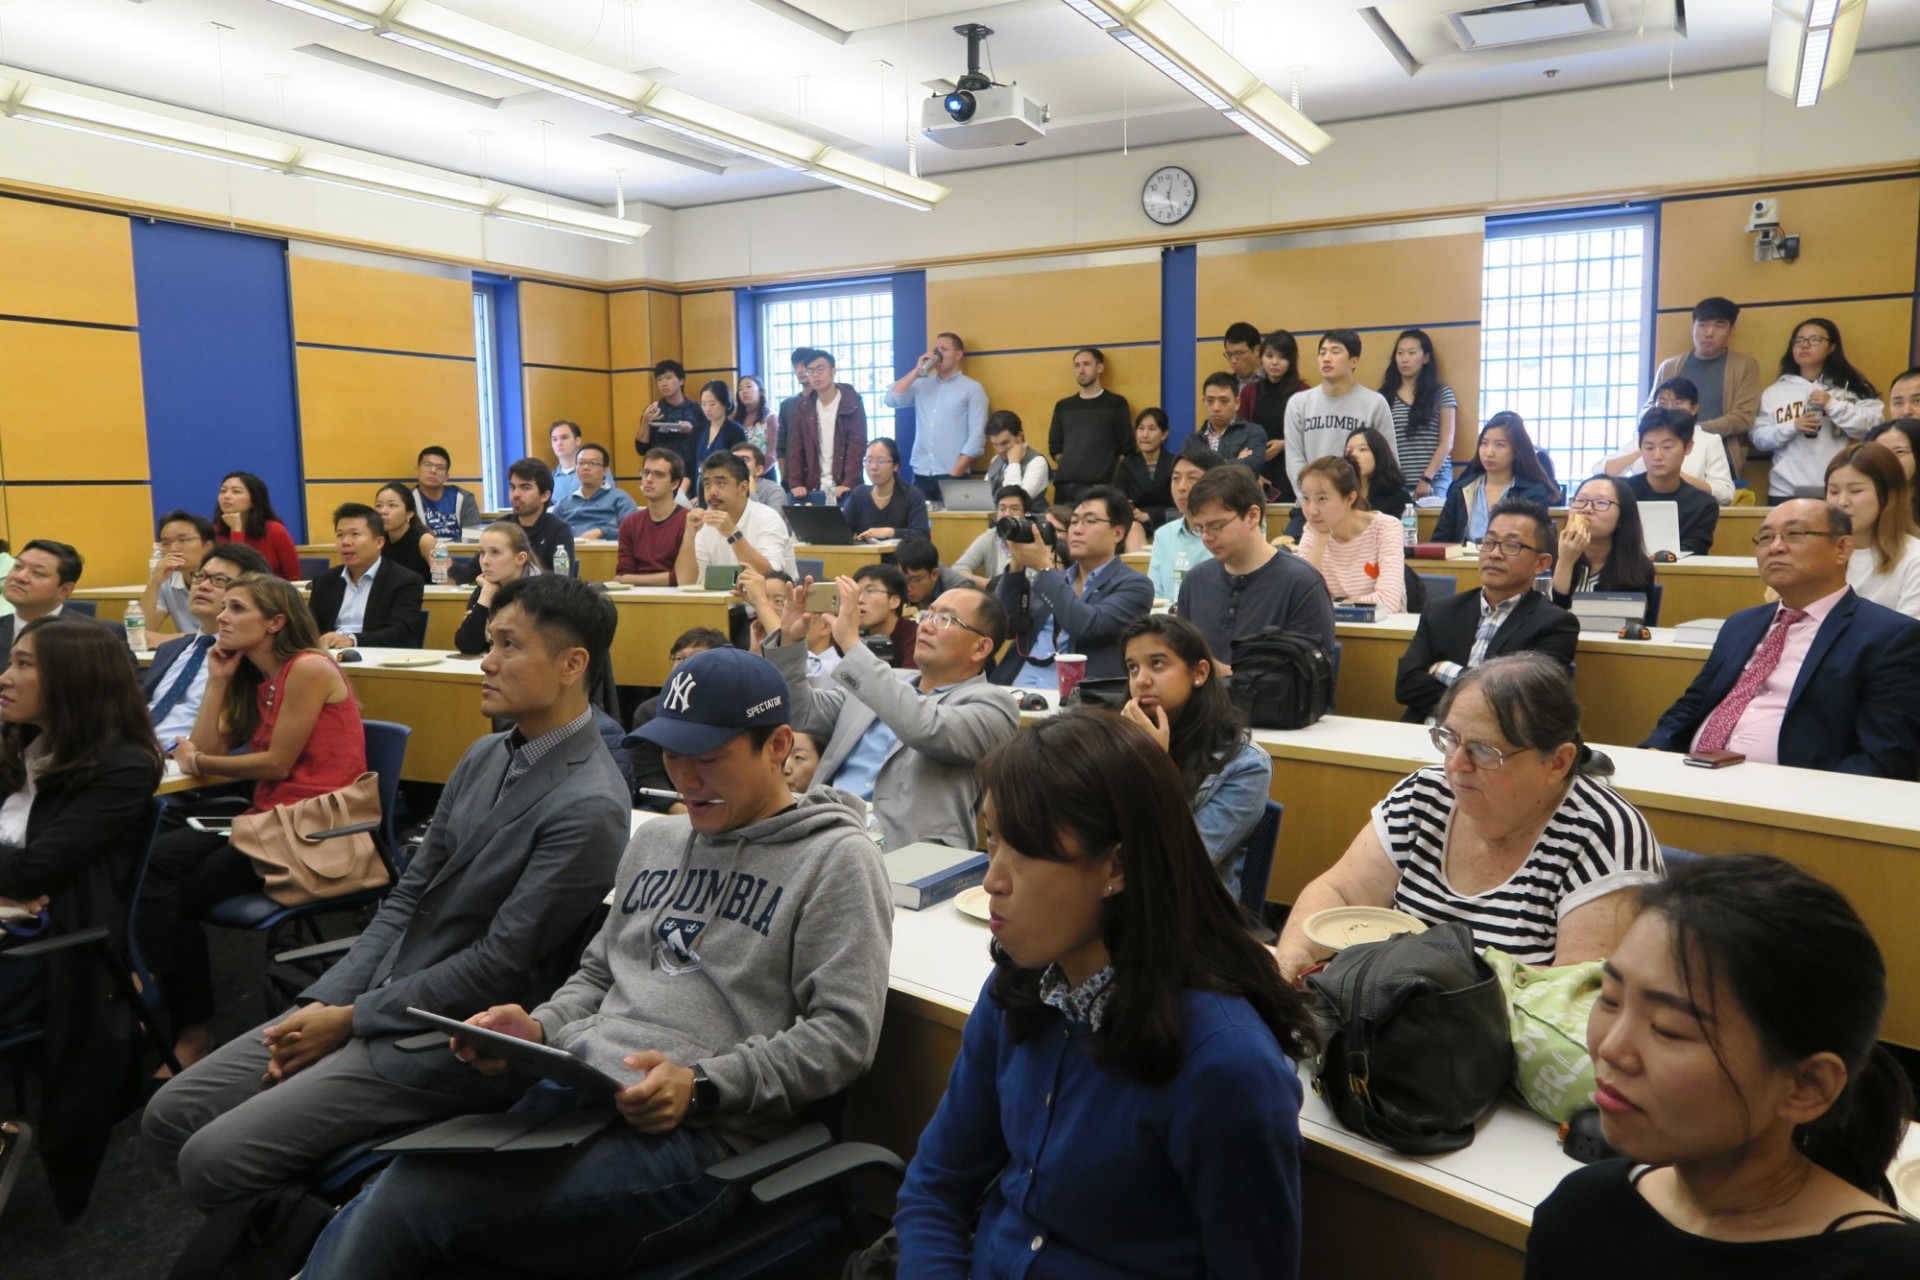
[(1594, 844)]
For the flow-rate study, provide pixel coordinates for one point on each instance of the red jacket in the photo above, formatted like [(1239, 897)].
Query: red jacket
[(802, 468)]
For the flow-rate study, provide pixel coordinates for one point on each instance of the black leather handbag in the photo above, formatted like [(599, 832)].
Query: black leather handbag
[(1416, 1037)]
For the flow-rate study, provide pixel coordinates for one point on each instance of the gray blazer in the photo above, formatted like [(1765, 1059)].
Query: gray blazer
[(491, 910), (925, 789)]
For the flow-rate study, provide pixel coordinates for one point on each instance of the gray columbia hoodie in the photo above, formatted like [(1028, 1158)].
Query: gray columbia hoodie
[(760, 954)]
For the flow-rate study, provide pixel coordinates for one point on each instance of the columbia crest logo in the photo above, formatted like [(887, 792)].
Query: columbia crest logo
[(677, 936), (679, 693)]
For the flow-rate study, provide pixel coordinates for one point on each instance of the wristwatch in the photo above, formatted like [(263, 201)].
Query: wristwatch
[(735, 536), (706, 1094)]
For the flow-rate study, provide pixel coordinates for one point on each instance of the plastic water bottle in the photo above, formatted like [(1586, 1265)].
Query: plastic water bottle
[(442, 565), (153, 562), (562, 562), (1179, 570), (874, 831), (1409, 526), (136, 623)]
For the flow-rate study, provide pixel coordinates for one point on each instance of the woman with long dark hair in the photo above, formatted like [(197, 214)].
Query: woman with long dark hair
[(243, 512), (1146, 477), (1176, 699), (1504, 462), (1901, 438), (759, 418), (1424, 409), (1264, 403), (1126, 1098), (78, 765), (409, 545), (1606, 548), (1739, 1076), (1865, 481), (1380, 476), (721, 432), (1819, 403)]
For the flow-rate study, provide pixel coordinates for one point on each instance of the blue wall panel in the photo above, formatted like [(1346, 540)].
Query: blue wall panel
[(1179, 334), (909, 343), (216, 356)]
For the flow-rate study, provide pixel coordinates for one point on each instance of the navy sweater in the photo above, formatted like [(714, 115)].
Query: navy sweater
[(1100, 1175)]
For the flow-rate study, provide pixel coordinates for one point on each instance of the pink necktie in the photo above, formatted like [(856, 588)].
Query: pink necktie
[(1718, 730)]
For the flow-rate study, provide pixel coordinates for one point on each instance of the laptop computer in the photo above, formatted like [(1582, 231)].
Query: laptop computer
[(966, 493), (820, 526), (1661, 522)]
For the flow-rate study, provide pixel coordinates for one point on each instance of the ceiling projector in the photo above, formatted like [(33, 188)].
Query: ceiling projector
[(979, 113)]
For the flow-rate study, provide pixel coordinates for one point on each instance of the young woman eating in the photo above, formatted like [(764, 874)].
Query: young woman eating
[(243, 512), (1602, 547), (272, 687), (721, 431), (1504, 461), (78, 765), (1738, 1076), (1146, 477), (505, 554), (1379, 472), (1361, 553), (1175, 698), (409, 545), (1820, 403), (1424, 409), (1125, 1101), (760, 421), (1865, 481)]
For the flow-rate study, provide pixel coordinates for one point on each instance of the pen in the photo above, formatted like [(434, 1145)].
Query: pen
[(653, 793)]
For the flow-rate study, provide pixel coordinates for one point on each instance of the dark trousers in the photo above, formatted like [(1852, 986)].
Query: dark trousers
[(188, 872), (929, 485)]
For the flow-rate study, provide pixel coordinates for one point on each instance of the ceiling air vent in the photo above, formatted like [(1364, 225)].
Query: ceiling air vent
[(1494, 26)]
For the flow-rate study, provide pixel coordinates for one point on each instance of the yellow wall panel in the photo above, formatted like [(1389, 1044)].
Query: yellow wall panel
[(1424, 280), (573, 394), (663, 326), (631, 393), (1855, 239), (630, 329), (65, 264), (1067, 308), (70, 403), (365, 416), (323, 497), (561, 326), (110, 525), (707, 334), (1876, 335), (342, 304), (1031, 383)]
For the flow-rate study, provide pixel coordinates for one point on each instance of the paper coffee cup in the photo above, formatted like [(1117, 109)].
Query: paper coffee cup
[(1070, 669)]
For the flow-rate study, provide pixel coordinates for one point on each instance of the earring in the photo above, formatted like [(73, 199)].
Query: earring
[(1112, 889)]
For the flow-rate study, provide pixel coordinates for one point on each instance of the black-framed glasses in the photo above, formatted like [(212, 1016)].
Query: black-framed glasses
[(1592, 504), (1792, 537), (1509, 548), (1484, 755), (937, 618), (221, 580)]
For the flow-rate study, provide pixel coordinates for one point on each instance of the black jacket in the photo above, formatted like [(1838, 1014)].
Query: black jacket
[(1446, 634), (393, 606), (86, 839)]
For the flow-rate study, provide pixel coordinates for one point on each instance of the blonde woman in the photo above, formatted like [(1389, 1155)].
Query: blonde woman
[(505, 554)]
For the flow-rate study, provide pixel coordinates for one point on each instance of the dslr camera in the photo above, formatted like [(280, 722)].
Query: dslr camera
[(1025, 529)]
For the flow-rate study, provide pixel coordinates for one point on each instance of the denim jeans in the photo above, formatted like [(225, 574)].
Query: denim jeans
[(618, 1200)]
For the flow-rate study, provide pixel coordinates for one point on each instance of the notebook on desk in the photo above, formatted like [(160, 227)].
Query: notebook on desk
[(1661, 521), (821, 526)]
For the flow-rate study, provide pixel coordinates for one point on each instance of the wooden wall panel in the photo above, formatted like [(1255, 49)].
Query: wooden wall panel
[(111, 525), (630, 329), (663, 327), (1067, 308), (1029, 383), (1857, 239), (709, 340), (1877, 334), (65, 264), (1370, 285), (573, 394), (561, 326), (342, 304), (631, 394), (365, 415), (70, 403), (323, 496)]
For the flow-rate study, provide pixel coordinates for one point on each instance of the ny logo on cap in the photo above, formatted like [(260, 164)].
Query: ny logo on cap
[(679, 694)]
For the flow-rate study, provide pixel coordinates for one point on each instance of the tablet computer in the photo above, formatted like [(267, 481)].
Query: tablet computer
[(540, 1060)]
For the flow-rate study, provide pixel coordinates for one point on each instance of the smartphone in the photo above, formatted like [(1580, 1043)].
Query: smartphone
[(212, 826), (823, 597), (721, 577), (1713, 759)]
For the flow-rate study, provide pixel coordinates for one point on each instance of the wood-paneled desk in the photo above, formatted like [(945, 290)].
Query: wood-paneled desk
[(595, 559), (846, 560), (1624, 685), (954, 531), (1697, 587), (1733, 536)]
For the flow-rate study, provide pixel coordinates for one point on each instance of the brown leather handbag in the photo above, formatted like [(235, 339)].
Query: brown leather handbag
[(299, 869)]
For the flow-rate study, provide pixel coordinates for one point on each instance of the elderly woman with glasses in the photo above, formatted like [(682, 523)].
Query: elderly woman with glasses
[(1513, 834)]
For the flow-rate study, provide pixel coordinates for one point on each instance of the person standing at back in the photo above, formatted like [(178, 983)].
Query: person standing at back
[(829, 435), (950, 414), (1726, 381), (1320, 419), (1091, 431), (1819, 404), (1424, 411), (1264, 402), (671, 421)]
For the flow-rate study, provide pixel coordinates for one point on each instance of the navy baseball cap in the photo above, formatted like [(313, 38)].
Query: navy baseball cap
[(714, 697)]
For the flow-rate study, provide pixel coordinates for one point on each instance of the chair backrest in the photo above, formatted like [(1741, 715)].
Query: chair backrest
[(420, 630), (1439, 586), (312, 567), (386, 753), (87, 607), (1257, 858), (1674, 857), (1415, 587), (1653, 603), (134, 885), (809, 565)]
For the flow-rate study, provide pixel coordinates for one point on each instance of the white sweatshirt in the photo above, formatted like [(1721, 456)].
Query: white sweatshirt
[(1898, 588), (1800, 460)]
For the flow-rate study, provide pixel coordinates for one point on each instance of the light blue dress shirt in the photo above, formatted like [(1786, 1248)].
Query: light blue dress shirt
[(353, 605), (950, 418), (603, 511)]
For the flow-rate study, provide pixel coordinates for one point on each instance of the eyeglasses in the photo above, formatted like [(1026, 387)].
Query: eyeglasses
[(874, 589), (1483, 755), (221, 580), (939, 618), (1812, 340), (1592, 504), (1086, 522), (433, 466), (1509, 548), (878, 462), (1792, 537), (1215, 529)]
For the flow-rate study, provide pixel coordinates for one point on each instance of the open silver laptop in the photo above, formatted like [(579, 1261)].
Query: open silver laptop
[(1661, 523), (965, 493)]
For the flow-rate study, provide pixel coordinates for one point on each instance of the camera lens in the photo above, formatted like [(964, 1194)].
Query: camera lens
[(1012, 529), (959, 105)]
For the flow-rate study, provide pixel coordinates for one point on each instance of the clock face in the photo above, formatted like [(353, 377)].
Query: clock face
[(1169, 195)]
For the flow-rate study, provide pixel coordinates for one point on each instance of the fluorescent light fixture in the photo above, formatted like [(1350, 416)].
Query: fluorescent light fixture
[(345, 171), (1169, 42), (1811, 46), (141, 140), (561, 218), (431, 28), (344, 19)]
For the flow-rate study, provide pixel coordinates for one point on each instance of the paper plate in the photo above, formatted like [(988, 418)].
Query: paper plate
[(972, 902), (1905, 1177), (1343, 927), (693, 586), (423, 660)]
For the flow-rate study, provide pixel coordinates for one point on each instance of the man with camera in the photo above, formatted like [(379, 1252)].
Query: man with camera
[(904, 741), (1079, 610)]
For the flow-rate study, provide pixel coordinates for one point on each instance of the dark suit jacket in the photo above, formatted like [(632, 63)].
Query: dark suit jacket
[(1091, 623), (163, 659), (492, 909), (393, 606), (849, 441), (1446, 633), (1855, 707), (84, 841)]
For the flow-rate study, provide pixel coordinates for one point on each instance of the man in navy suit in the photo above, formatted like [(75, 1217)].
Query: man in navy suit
[(365, 599), (43, 576), (1822, 680), (1079, 610), (177, 680)]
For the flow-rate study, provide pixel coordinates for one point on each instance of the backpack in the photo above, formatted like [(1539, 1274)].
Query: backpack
[(1417, 1044), (1281, 679)]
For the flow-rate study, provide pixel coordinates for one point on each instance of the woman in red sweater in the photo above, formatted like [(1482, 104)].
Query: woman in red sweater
[(243, 512)]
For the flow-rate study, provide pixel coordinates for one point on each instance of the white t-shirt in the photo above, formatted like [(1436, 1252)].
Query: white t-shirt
[(829, 411), (764, 529), (1898, 588)]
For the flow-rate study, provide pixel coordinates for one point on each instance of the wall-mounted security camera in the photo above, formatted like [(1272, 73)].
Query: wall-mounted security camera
[(1770, 242), (1763, 215)]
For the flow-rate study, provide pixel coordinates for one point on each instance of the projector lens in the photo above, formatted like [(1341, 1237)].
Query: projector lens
[(959, 106)]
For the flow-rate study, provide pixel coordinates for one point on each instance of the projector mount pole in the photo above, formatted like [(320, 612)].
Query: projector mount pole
[(976, 35)]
